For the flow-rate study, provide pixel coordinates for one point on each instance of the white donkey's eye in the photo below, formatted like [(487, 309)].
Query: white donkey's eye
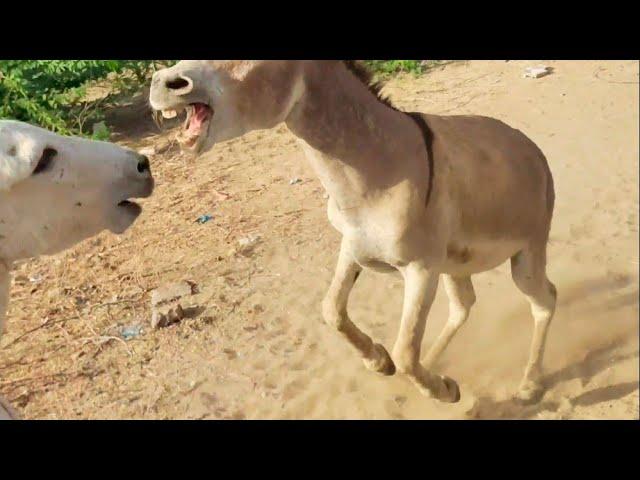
[(46, 160)]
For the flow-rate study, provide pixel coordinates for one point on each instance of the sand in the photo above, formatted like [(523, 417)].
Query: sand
[(257, 348)]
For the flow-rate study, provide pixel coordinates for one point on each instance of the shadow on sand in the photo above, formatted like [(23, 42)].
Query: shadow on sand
[(593, 362)]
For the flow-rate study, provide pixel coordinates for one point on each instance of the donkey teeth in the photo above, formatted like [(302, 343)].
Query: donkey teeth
[(169, 114)]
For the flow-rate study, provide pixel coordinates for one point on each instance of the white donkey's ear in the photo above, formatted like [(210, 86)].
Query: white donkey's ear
[(18, 156)]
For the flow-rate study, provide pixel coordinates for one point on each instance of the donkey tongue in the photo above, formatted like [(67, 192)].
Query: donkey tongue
[(200, 113)]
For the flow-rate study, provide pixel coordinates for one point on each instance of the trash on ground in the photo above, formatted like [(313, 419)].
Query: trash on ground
[(293, 181), (166, 303), (537, 72), (204, 219), (131, 331)]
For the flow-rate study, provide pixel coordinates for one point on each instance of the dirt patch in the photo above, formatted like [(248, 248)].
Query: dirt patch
[(258, 347)]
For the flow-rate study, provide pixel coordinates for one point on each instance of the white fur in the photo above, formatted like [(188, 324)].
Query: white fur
[(74, 199), (17, 159)]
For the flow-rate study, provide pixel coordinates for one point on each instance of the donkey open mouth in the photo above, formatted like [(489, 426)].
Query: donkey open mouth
[(131, 207), (195, 126)]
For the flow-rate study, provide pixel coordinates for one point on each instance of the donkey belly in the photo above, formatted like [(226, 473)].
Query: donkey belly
[(467, 258)]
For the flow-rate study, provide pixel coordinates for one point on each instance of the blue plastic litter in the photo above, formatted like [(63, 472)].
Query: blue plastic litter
[(204, 219), (131, 332)]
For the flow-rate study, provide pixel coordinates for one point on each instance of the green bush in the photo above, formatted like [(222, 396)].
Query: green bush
[(51, 93), (390, 67)]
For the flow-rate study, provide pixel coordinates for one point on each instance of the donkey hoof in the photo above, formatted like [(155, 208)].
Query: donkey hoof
[(450, 392), (380, 361), (530, 392)]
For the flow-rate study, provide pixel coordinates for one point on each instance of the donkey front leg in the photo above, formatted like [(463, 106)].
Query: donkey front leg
[(334, 309), (420, 287)]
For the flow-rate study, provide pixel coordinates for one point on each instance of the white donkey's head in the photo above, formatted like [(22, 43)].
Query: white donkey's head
[(56, 191)]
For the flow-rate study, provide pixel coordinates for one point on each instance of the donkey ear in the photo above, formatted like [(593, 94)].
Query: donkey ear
[(240, 69)]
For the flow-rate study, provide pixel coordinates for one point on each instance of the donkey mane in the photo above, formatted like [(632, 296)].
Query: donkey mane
[(362, 73)]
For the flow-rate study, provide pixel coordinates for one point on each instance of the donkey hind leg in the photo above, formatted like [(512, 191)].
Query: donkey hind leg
[(461, 299), (528, 269), (334, 309)]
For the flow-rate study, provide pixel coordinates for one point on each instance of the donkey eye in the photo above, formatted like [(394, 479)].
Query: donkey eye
[(46, 160)]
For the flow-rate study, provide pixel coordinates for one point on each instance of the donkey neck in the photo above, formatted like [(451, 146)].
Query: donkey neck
[(358, 146)]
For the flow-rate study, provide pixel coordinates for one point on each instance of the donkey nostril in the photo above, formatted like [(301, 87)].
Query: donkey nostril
[(177, 84), (143, 165)]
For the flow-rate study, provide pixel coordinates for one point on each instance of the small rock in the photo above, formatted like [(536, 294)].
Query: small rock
[(258, 308), (294, 181), (172, 291), (231, 354), (248, 243), (165, 316), (537, 72), (166, 304), (148, 151), (249, 240)]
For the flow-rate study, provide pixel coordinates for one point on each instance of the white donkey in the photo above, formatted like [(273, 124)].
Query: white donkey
[(56, 191)]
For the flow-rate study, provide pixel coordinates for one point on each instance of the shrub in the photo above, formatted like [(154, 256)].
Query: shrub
[(390, 67), (52, 93)]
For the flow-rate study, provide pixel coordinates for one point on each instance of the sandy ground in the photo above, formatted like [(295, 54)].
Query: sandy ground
[(257, 348)]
